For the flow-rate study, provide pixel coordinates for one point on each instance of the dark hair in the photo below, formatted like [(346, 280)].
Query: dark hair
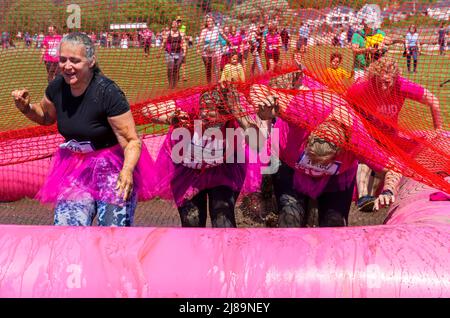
[(218, 97), (234, 52), (336, 55)]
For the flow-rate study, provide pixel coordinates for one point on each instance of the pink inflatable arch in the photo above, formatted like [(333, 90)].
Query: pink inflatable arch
[(407, 257)]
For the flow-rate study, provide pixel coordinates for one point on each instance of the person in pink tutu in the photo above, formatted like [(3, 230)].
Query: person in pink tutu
[(196, 170), (318, 131), (100, 168)]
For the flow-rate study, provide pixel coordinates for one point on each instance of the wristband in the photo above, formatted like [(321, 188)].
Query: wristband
[(387, 192)]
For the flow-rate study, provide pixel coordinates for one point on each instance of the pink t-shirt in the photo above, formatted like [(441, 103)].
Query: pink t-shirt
[(271, 41), (235, 42), (365, 94), (305, 112), (147, 35), (51, 45), (312, 179)]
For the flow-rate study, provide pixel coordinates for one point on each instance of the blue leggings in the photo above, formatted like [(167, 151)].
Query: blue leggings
[(412, 52), (83, 212)]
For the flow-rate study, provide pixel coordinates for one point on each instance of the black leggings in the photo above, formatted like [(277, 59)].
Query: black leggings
[(221, 201), (333, 207)]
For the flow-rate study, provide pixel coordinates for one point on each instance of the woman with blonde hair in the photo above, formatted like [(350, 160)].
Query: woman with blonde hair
[(380, 98)]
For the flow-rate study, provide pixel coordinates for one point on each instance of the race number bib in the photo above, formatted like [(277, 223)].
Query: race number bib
[(204, 152), (317, 170), (78, 146)]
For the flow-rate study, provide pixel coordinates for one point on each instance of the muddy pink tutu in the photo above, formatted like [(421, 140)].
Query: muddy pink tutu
[(74, 176), (177, 182)]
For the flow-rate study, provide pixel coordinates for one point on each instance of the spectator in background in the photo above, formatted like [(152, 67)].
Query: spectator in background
[(93, 37), (50, 52), (5, 39), (335, 40), (255, 41), (109, 39), (366, 44), (412, 45), (441, 38), (182, 29), (245, 46), (27, 39), (210, 50), (350, 32), (233, 71), (234, 43), (303, 35), (147, 41), (39, 40), (224, 47), (285, 39), (273, 44), (343, 38), (299, 61), (335, 75), (124, 41), (103, 39), (174, 46)]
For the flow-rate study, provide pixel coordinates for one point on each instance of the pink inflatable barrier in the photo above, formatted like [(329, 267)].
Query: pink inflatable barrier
[(407, 257)]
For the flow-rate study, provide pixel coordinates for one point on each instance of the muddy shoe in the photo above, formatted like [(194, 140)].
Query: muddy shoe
[(365, 203)]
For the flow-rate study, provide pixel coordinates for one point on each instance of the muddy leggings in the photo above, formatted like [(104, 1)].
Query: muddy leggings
[(221, 202), (333, 207)]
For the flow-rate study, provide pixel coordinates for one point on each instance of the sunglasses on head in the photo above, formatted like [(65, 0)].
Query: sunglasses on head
[(323, 141)]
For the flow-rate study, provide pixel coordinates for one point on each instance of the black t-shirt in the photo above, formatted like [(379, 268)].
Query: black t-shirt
[(85, 117)]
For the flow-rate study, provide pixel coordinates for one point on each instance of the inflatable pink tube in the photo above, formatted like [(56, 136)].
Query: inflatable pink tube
[(408, 257)]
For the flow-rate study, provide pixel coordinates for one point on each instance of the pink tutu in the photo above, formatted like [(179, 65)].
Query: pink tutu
[(178, 183), (74, 176)]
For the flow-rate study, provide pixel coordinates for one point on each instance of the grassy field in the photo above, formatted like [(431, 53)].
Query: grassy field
[(142, 78)]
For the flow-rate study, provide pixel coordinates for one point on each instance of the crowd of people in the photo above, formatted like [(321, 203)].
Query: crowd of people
[(103, 168), (264, 37)]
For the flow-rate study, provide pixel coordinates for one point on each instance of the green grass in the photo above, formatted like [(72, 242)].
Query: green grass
[(142, 78)]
